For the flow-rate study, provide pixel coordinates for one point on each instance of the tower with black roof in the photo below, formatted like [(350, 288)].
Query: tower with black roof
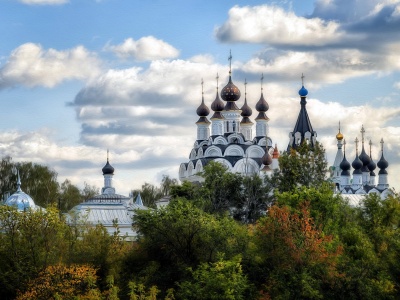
[(203, 124), (303, 131)]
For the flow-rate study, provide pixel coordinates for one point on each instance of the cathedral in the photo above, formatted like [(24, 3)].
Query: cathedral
[(231, 143)]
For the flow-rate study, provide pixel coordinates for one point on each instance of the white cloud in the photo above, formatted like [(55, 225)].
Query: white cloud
[(44, 2), (145, 48), (273, 25), (30, 65)]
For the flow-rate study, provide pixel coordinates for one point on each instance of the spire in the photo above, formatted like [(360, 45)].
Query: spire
[(230, 62), (382, 163), (230, 93), (339, 136), (18, 182), (303, 129), (262, 105)]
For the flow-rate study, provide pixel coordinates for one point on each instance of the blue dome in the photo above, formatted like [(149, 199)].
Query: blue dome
[(303, 92)]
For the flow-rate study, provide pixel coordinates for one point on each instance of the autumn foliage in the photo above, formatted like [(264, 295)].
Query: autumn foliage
[(297, 253)]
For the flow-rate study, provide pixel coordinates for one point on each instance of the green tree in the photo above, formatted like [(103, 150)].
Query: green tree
[(223, 279), (220, 189), (69, 196), (179, 236), (149, 194), (305, 166), (166, 184), (29, 242)]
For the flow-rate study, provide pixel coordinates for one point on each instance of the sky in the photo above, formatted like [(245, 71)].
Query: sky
[(78, 77)]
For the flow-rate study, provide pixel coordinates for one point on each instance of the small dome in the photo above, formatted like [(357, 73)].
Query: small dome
[(21, 201), (262, 105), (246, 110), (266, 159), (275, 154), (303, 92), (203, 110), (357, 163), (382, 163), (371, 166), (108, 169), (230, 92), (339, 136), (345, 165), (217, 104)]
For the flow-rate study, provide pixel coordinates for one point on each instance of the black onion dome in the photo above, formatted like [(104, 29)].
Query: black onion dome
[(203, 110), (246, 110), (217, 104), (230, 92), (266, 159), (382, 163), (262, 105), (371, 166), (357, 165), (345, 166), (365, 160), (108, 169)]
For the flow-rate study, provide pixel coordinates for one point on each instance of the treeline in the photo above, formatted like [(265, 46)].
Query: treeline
[(287, 236)]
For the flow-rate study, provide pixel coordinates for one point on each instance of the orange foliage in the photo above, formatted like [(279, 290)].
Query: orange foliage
[(62, 282)]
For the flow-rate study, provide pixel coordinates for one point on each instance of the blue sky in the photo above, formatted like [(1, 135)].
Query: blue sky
[(79, 77)]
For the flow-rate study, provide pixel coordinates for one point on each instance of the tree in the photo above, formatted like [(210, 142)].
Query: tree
[(69, 196), (179, 236), (166, 184), (299, 261), (149, 194), (223, 279), (305, 166), (89, 191), (221, 189), (29, 242), (63, 282)]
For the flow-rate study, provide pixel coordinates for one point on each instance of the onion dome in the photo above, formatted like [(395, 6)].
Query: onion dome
[(275, 154), (203, 110), (246, 110), (382, 163), (230, 92), (339, 136), (345, 165), (262, 105), (357, 163), (266, 160), (108, 169), (303, 92), (217, 105), (371, 166), (19, 199)]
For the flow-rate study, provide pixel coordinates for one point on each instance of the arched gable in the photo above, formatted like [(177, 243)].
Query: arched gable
[(234, 150), (192, 154), (225, 163), (200, 153), (246, 166), (190, 169), (199, 166), (204, 143), (263, 142), (213, 151), (182, 171), (235, 138), (360, 191), (220, 140), (255, 151)]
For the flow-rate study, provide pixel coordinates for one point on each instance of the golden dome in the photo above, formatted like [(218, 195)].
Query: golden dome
[(339, 136)]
